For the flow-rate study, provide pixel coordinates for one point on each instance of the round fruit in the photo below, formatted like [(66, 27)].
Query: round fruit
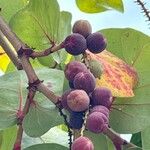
[(96, 42), (85, 81), (102, 96), (96, 122), (74, 68), (75, 44), (102, 109), (64, 99), (78, 100), (76, 120), (82, 27), (82, 143)]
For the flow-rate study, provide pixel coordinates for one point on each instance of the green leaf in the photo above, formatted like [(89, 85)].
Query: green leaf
[(145, 138), (10, 90), (100, 141), (96, 6), (8, 138), (47, 147), (135, 148), (10, 7), (49, 137), (40, 29), (39, 120), (136, 139), (131, 115), (56, 133)]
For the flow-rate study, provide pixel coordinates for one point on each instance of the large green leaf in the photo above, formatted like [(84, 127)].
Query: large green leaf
[(131, 115), (56, 133), (145, 138), (100, 141), (39, 29), (47, 147), (49, 137), (96, 6), (10, 89), (10, 7), (8, 138), (39, 120), (136, 139)]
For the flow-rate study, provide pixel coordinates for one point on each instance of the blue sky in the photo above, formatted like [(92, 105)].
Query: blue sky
[(131, 17)]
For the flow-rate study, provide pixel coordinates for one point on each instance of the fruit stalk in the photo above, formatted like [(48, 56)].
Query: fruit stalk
[(47, 51), (117, 140)]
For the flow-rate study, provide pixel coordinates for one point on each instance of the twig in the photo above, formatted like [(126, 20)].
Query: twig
[(17, 145), (12, 55), (117, 140), (145, 10), (47, 51)]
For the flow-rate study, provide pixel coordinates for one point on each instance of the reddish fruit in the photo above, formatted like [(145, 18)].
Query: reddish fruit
[(102, 109), (102, 96), (82, 27), (85, 81), (78, 100), (74, 68), (96, 122), (82, 143), (96, 42), (64, 99), (75, 44)]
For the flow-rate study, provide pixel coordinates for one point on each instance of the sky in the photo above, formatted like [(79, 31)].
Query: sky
[(132, 16)]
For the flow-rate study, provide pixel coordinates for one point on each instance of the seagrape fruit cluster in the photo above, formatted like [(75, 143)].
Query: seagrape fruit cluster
[(83, 95), (82, 39)]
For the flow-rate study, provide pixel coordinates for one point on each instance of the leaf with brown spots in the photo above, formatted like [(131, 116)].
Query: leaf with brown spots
[(118, 76)]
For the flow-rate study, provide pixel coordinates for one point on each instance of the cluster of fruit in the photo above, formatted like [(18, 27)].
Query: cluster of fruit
[(84, 96), (83, 38)]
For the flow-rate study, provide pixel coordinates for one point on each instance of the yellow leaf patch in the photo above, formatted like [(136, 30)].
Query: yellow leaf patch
[(4, 60), (118, 76)]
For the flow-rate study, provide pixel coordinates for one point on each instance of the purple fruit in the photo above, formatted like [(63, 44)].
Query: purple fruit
[(64, 99), (78, 100), (102, 109), (82, 143), (102, 96), (85, 81), (71, 85), (82, 27), (75, 44), (76, 120), (96, 42), (97, 122), (74, 68)]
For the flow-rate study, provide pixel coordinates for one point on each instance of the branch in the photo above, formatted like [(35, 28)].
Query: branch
[(145, 10), (47, 51), (32, 77), (8, 49), (31, 94), (117, 140)]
